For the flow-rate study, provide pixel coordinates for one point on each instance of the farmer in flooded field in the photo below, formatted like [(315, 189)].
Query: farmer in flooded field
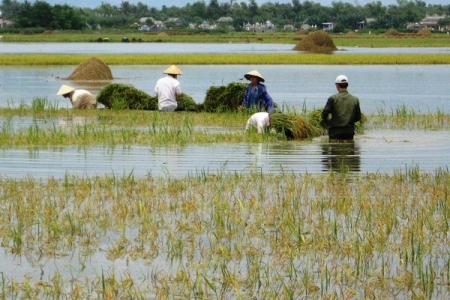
[(80, 99), (260, 121), (168, 89), (345, 111), (256, 96)]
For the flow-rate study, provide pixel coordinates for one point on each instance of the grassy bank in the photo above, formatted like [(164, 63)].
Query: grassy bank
[(226, 59), (354, 39)]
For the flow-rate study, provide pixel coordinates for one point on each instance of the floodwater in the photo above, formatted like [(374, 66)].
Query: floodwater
[(374, 151), (379, 87), (176, 48)]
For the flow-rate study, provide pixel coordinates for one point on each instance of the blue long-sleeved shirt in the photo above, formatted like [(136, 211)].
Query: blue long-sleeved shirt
[(261, 100)]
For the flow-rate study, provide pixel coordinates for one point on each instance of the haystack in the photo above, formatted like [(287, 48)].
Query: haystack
[(91, 69), (392, 32), (424, 32), (122, 96), (293, 126), (316, 42), (224, 98)]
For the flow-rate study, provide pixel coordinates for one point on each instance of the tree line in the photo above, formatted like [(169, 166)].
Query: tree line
[(346, 16)]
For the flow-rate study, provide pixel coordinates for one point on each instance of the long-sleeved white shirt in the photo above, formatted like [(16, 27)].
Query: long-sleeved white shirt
[(83, 99)]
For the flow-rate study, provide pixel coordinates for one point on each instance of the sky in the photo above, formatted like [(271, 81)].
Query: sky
[(181, 3)]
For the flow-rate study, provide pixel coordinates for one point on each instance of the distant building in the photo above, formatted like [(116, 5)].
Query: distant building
[(432, 22), (305, 27), (225, 20), (364, 23), (5, 23), (176, 21), (289, 27), (414, 26), (207, 26), (328, 26)]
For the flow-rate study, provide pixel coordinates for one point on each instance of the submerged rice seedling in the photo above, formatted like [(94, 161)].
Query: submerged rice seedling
[(224, 98), (227, 235)]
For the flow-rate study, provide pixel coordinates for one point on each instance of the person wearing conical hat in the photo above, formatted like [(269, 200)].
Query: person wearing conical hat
[(168, 89), (256, 96), (344, 110), (80, 99)]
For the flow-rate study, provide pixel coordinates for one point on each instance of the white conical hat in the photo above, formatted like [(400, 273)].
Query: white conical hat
[(173, 70), (65, 89), (254, 73)]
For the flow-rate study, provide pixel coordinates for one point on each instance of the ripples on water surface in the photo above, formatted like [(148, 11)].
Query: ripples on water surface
[(375, 151)]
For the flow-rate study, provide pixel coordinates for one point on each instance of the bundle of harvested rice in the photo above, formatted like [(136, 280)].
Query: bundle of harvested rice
[(122, 96), (91, 69), (317, 42), (224, 98), (293, 126), (186, 103)]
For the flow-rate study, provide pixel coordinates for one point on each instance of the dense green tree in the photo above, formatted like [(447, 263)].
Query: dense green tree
[(344, 14)]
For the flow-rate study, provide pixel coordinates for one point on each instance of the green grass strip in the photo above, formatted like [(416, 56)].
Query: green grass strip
[(228, 59)]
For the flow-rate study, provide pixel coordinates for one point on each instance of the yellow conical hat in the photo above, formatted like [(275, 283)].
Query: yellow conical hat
[(65, 89), (173, 70), (254, 73)]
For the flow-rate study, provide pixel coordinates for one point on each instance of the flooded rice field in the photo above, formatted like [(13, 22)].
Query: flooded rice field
[(421, 88), (381, 89), (374, 151), (229, 221)]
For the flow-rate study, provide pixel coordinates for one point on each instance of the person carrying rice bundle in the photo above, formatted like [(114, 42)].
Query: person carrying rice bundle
[(168, 89), (80, 99), (256, 96)]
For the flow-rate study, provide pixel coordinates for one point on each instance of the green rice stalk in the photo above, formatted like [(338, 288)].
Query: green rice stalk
[(122, 96), (293, 126), (224, 98)]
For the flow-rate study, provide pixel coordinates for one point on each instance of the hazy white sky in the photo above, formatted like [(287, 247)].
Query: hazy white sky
[(182, 3)]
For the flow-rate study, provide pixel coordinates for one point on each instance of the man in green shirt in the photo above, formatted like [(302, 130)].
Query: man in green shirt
[(345, 111)]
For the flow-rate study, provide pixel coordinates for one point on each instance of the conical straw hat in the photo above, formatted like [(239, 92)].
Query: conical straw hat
[(65, 89), (173, 70), (254, 73)]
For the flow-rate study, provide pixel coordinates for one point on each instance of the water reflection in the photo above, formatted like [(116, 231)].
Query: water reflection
[(341, 156), (375, 151)]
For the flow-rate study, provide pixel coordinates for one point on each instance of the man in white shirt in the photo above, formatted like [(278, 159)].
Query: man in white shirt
[(80, 99), (168, 89), (259, 120)]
